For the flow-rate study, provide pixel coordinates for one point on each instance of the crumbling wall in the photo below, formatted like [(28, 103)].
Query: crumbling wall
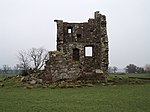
[(70, 60), (61, 67)]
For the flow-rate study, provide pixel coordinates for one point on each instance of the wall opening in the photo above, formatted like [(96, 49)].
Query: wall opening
[(76, 56), (69, 29), (89, 51), (78, 37)]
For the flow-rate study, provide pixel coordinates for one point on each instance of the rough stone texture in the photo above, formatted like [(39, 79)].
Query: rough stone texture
[(70, 60), (60, 66)]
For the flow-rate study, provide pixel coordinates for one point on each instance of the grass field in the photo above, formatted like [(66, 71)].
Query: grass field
[(118, 98), (3, 76), (130, 75)]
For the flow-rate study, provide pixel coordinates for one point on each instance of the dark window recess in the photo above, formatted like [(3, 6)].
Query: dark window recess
[(76, 54), (78, 37)]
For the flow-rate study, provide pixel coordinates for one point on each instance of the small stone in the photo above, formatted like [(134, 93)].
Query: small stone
[(103, 84), (40, 81), (98, 71), (22, 79), (33, 82), (2, 85), (29, 87)]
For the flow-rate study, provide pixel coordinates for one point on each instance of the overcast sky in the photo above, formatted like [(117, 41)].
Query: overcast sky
[(30, 23)]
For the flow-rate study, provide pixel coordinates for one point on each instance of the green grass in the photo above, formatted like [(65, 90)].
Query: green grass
[(125, 98), (117, 98), (130, 75), (3, 76)]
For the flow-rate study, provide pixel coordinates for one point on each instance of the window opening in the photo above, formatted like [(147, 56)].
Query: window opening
[(69, 29), (78, 38), (89, 51), (78, 35), (76, 54)]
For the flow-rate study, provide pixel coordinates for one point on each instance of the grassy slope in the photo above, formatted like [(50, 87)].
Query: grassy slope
[(120, 98)]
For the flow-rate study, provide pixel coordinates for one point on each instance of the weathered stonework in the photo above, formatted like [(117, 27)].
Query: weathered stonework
[(71, 60)]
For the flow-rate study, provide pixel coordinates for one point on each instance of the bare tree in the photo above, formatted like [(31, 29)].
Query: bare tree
[(37, 56), (16, 69), (24, 62), (34, 58)]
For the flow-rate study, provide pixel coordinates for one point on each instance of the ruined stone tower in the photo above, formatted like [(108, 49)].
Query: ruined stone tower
[(82, 50)]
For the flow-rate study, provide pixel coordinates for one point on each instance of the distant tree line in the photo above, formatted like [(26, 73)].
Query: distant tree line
[(131, 68), (5, 69)]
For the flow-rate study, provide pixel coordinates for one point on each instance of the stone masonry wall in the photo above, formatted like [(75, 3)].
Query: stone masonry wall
[(61, 67), (70, 60)]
